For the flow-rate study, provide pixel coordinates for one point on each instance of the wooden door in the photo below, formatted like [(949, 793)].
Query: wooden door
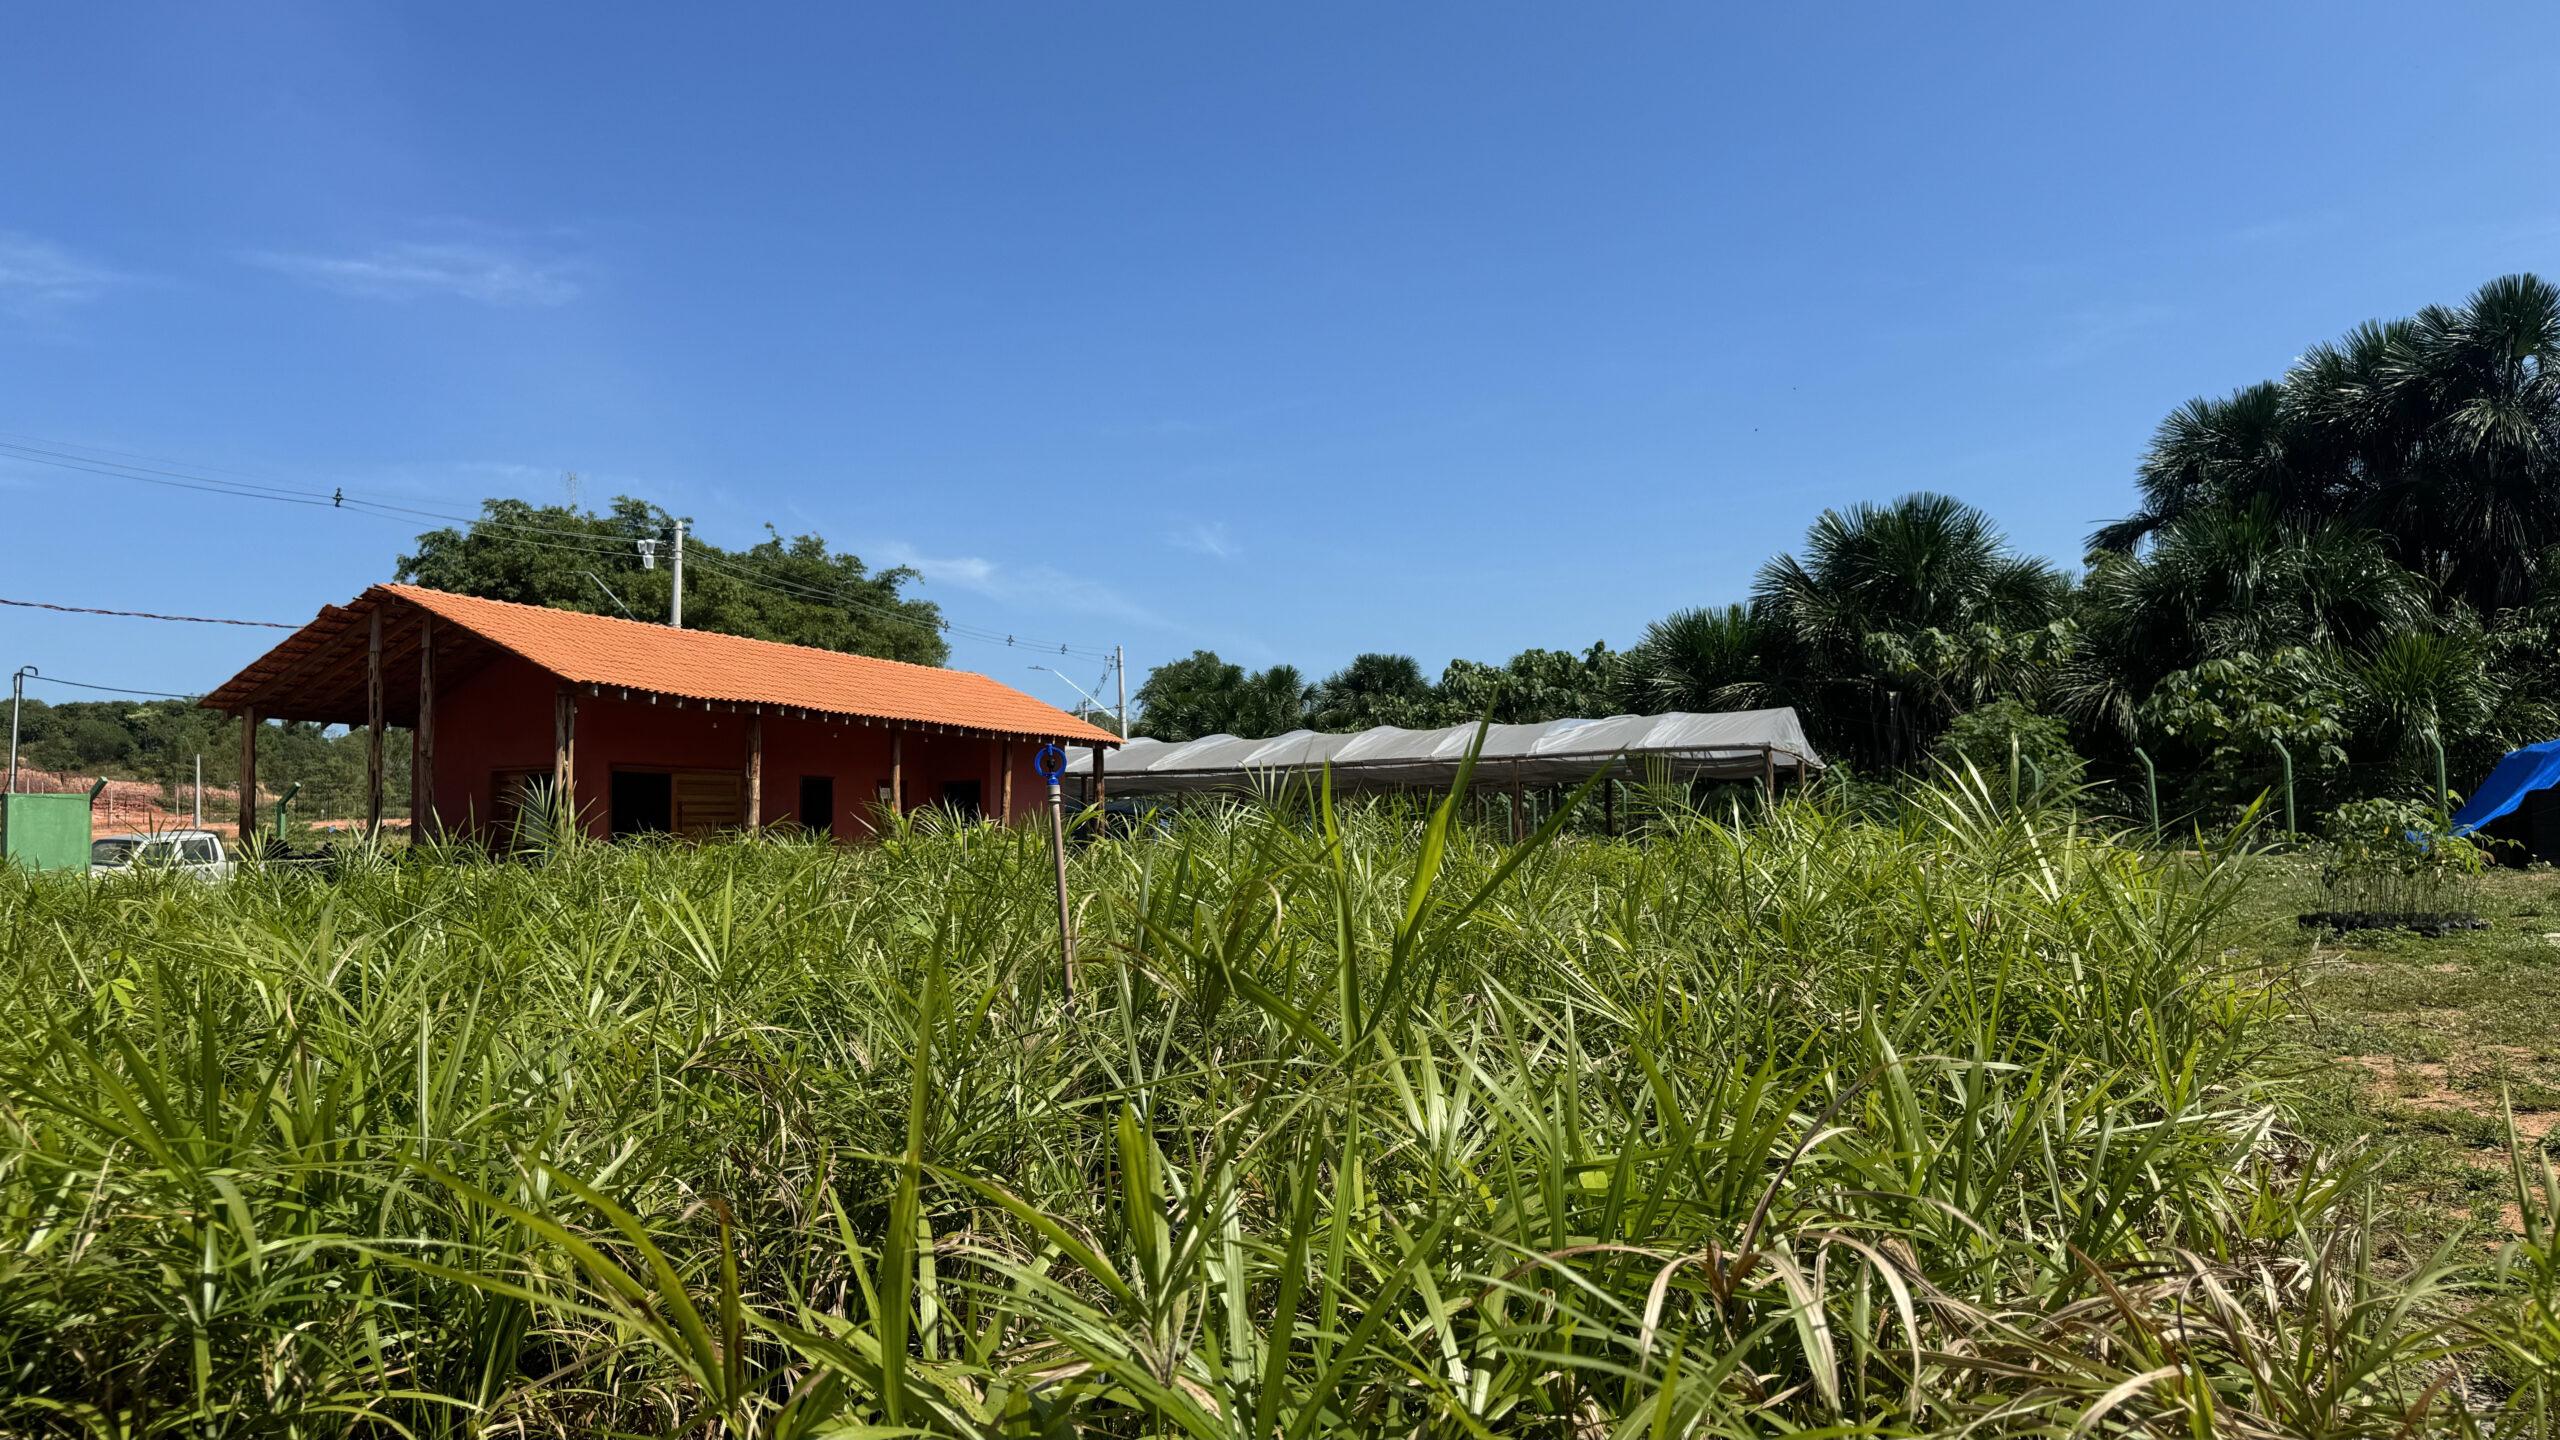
[(709, 801)]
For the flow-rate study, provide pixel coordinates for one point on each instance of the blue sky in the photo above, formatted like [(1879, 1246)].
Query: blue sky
[(1289, 331)]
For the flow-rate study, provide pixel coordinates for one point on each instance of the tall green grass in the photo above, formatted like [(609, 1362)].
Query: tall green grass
[(1357, 1124)]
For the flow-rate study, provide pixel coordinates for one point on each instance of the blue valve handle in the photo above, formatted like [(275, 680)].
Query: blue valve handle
[(1051, 763)]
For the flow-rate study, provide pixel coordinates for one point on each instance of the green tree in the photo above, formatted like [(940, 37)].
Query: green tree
[(1703, 659), (1269, 702), (1988, 736), (1201, 694), (2228, 715), (2221, 582), (2440, 433), (1534, 686), (1374, 689), (1898, 617), (794, 590)]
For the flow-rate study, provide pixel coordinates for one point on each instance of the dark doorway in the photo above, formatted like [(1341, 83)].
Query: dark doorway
[(644, 802), (961, 797), (818, 804)]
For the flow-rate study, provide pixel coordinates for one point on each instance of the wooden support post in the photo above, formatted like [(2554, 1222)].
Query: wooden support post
[(373, 724), (1066, 917), (1004, 781), (422, 736), (564, 754), (898, 772), (1519, 831), (755, 770), (1099, 789), (1769, 773), (248, 778)]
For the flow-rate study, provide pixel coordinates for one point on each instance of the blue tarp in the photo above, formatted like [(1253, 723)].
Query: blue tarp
[(2535, 767)]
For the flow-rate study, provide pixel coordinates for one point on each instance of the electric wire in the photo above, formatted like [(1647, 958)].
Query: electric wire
[(945, 625), (65, 455), (145, 615), (108, 689)]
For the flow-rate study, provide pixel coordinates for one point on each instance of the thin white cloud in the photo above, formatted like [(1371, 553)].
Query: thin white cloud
[(1208, 537), (2086, 333), (484, 273), (40, 275), (1042, 587), (964, 572)]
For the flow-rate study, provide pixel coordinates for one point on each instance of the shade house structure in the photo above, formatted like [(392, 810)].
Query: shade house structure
[(647, 728), (1763, 746)]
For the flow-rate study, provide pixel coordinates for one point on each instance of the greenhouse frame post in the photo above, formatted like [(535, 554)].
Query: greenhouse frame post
[(284, 807), (2289, 830), (2150, 788), (2444, 795)]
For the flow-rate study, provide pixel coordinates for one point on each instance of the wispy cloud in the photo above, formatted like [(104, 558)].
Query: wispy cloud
[(2093, 330), (485, 273), (40, 275), (1207, 537), (1043, 586)]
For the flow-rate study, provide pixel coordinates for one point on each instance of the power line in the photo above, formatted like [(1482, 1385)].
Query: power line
[(316, 499), (109, 689), (945, 625), (146, 615), (949, 626), (66, 455)]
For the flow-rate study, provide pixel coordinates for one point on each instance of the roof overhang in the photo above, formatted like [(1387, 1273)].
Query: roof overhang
[(323, 673)]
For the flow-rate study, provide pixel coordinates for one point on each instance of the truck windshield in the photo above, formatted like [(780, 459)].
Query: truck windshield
[(112, 854)]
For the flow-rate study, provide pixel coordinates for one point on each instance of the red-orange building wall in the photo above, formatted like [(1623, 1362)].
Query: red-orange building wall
[(499, 724)]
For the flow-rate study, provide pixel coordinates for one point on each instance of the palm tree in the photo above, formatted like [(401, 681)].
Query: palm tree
[(2219, 582), (1271, 702), (1374, 689), (2215, 454), (1708, 658), (2478, 495), (1899, 616), (2441, 432)]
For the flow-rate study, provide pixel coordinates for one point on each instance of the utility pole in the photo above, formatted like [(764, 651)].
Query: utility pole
[(1120, 670), (675, 606), (17, 697), (199, 812)]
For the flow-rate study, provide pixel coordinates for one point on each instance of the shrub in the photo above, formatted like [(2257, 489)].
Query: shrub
[(1989, 737), (2384, 858)]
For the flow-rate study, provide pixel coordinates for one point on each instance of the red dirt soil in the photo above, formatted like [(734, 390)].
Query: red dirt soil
[(138, 805)]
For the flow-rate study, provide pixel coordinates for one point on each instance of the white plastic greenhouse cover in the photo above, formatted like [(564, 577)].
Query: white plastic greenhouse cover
[(1738, 745)]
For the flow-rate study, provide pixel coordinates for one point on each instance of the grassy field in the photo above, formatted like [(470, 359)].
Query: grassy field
[(1355, 1125), (2415, 1048)]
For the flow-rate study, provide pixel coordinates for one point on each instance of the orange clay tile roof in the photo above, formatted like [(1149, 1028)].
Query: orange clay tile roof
[(600, 650)]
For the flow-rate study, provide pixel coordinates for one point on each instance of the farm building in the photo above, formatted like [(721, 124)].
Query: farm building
[(650, 728)]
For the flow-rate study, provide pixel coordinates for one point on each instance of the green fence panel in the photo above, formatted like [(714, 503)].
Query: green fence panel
[(45, 832)]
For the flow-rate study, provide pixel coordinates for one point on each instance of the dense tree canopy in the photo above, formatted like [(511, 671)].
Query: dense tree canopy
[(2360, 560), (2438, 434), (161, 740), (1898, 618), (1204, 695), (794, 590)]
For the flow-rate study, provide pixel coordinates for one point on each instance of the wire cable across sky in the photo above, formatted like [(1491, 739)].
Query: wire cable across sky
[(211, 480), (144, 615)]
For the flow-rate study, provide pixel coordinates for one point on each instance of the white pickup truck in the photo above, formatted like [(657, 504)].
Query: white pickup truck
[(199, 853)]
